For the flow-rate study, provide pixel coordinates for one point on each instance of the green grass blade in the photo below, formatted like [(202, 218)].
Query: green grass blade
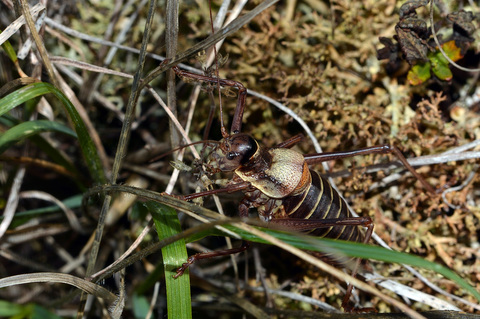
[(7, 47), (87, 146), (307, 242), (25, 216), (26, 129), (178, 290), (23, 95), (358, 250), (51, 151)]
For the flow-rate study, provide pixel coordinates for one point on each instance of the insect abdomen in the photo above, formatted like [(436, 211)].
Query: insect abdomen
[(321, 201)]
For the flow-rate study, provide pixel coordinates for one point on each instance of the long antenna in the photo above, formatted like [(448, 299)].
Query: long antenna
[(225, 134), (182, 147)]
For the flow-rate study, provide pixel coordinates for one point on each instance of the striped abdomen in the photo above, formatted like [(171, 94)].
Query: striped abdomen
[(321, 201)]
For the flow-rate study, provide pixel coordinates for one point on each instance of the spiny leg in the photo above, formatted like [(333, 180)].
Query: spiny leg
[(306, 224), (194, 258), (243, 210), (348, 293), (291, 141), (228, 189), (382, 149)]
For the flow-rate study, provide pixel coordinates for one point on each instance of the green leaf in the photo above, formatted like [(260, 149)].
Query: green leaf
[(27, 129), (53, 152), (22, 95), (174, 255), (89, 151), (50, 150), (419, 73), (440, 66), (9, 51), (8, 309)]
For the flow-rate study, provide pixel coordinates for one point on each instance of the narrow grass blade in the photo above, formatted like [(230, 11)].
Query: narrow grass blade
[(307, 242), (359, 250), (7, 47), (21, 218), (87, 146), (27, 129), (178, 290), (51, 151)]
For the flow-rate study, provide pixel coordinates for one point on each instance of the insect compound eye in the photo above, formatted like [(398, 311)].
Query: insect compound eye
[(231, 155)]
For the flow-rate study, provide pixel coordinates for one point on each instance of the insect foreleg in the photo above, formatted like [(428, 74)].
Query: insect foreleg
[(228, 189)]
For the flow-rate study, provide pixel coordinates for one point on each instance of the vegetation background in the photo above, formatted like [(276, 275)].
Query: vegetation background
[(337, 65)]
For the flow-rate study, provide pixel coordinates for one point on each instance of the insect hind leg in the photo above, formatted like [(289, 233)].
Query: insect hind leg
[(346, 299), (380, 149), (194, 258), (306, 225)]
